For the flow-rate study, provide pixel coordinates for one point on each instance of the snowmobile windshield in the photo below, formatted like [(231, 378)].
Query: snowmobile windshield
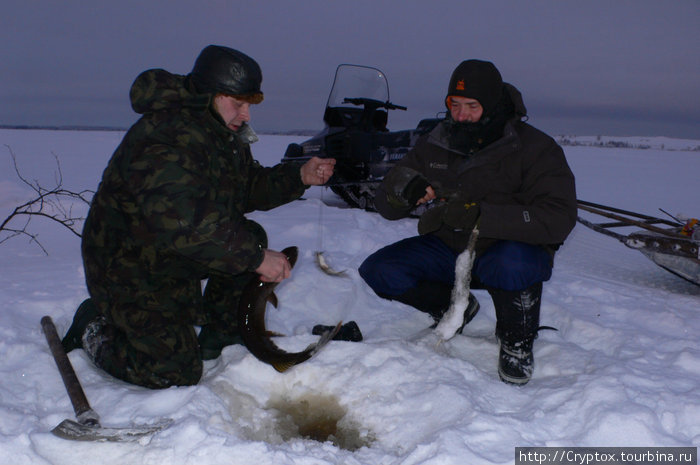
[(354, 82)]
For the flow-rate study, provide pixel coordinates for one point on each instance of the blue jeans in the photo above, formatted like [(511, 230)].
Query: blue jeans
[(507, 265)]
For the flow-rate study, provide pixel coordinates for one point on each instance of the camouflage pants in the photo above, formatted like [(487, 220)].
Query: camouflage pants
[(147, 337)]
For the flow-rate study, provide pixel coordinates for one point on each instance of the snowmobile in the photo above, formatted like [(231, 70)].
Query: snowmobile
[(356, 135), (674, 247)]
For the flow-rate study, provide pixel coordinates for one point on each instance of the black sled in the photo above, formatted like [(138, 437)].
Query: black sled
[(356, 135)]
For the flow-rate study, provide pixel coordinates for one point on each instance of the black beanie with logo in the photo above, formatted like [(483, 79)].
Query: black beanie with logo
[(479, 80)]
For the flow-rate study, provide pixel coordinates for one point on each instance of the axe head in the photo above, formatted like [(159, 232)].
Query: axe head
[(69, 429)]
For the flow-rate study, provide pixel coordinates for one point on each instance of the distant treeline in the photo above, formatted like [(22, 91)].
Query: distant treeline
[(609, 142), (567, 140), (294, 132), (62, 128)]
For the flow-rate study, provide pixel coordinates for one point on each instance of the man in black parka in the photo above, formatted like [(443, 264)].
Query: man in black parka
[(482, 165)]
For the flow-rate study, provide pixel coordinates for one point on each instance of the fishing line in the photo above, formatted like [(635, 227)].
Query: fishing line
[(320, 223)]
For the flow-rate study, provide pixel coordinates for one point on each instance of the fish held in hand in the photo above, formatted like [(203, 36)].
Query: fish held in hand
[(251, 324)]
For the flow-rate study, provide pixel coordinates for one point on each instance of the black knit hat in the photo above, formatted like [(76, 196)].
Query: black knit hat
[(476, 79), (228, 71)]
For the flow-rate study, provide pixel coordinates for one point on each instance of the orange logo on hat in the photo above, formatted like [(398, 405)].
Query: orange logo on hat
[(460, 84)]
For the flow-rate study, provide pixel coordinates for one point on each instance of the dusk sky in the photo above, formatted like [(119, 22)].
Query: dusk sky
[(593, 67)]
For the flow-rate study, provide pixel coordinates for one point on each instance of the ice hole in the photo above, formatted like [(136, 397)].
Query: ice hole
[(320, 418)]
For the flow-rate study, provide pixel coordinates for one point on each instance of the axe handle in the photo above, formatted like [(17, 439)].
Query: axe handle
[(83, 411)]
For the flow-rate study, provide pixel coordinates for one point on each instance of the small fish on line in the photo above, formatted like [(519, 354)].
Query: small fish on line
[(325, 267)]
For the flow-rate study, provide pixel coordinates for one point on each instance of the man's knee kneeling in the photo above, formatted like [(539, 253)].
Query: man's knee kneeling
[(168, 374)]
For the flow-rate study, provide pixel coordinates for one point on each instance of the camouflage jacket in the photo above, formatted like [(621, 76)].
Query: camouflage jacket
[(172, 200)]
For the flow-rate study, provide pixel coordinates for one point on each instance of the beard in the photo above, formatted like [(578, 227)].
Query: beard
[(469, 138)]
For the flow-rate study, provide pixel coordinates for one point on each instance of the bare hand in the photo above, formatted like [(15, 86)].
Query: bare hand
[(317, 171), (274, 268), (429, 195)]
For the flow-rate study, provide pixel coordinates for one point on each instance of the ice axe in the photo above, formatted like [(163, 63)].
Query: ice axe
[(88, 427)]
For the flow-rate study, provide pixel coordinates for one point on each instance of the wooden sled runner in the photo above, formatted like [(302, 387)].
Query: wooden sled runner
[(673, 245)]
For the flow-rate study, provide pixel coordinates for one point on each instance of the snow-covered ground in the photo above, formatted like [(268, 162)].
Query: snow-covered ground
[(623, 369)]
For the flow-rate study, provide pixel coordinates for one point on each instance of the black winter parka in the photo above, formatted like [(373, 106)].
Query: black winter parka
[(522, 183)]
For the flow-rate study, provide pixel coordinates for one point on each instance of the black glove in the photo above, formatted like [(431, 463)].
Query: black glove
[(404, 186), (432, 219), (415, 189), (461, 214), (348, 332)]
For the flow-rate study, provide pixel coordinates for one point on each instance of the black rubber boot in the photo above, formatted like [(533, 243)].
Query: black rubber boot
[(212, 342), (472, 309), (516, 362), (434, 298), (86, 312), (97, 340), (518, 319)]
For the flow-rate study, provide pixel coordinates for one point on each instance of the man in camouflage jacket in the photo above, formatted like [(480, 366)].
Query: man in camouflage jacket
[(170, 213), (482, 165)]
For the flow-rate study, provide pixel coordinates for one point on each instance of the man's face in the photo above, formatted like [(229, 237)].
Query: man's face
[(233, 111), (465, 110)]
